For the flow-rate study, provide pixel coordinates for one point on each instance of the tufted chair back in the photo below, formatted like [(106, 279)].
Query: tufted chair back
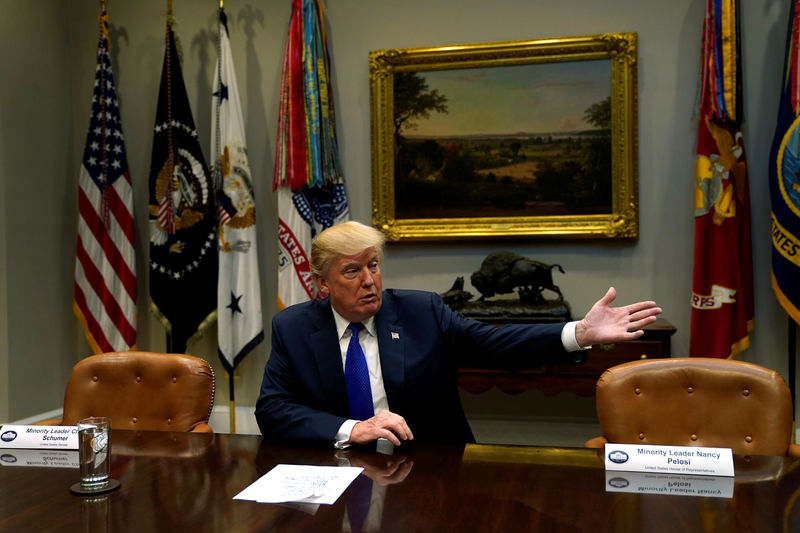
[(142, 391), (696, 402)]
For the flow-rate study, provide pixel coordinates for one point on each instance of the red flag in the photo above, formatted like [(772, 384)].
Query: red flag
[(722, 285)]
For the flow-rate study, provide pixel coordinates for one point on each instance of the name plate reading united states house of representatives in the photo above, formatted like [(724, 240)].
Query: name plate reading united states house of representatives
[(694, 460), (39, 437), (669, 484)]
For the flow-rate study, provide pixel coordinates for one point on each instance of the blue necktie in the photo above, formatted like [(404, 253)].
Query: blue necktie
[(356, 377), (358, 502)]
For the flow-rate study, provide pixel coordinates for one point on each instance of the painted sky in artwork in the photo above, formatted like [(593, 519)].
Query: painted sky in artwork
[(539, 98)]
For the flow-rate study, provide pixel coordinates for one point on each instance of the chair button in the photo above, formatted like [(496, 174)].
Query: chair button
[(641, 436), (135, 420), (95, 378), (169, 421), (174, 379), (690, 389), (748, 439), (637, 390), (138, 379), (693, 437), (746, 392)]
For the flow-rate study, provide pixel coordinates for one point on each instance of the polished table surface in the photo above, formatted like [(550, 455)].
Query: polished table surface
[(175, 482)]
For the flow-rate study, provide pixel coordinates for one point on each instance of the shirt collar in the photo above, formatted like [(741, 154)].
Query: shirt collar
[(342, 323)]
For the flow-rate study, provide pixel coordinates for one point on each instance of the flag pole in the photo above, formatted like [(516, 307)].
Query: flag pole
[(792, 338), (792, 356), (232, 403)]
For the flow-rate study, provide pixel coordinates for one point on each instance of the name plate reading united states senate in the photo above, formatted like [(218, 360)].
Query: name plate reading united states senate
[(39, 437), (695, 460), (45, 458)]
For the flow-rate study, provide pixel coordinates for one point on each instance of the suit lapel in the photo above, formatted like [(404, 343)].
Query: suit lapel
[(391, 344), (329, 359)]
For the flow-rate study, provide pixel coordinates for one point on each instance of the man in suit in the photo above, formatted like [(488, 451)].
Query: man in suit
[(411, 343)]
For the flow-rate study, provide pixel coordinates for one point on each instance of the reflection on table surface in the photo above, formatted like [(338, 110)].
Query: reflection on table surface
[(185, 482)]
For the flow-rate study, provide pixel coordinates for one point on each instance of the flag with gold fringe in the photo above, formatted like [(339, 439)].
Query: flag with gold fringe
[(784, 178), (722, 282), (307, 179), (183, 228), (239, 324), (105, 266)]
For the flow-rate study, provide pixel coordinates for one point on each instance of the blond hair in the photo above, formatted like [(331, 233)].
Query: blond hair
[(345, 239)]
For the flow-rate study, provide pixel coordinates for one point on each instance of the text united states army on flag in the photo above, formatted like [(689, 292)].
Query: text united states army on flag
[(308, 181), (105, 266)]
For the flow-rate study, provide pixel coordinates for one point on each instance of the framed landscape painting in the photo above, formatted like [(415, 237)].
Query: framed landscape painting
[(524, 138)]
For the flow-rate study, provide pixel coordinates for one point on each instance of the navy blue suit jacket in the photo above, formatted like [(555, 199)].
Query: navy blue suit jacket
[(420, 341)]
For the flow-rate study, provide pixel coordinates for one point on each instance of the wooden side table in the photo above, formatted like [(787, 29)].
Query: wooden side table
[(580, 379)]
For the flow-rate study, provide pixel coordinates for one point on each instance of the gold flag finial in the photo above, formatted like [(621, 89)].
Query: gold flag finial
[(221, 4), (169, 7)]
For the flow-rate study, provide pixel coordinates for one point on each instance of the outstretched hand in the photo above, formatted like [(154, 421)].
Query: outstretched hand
[(604, 324)]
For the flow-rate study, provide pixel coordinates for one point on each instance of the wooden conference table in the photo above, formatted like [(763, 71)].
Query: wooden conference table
[(174, 482)]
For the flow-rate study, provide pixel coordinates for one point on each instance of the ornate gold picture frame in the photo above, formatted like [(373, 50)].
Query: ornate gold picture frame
[(512, 139)]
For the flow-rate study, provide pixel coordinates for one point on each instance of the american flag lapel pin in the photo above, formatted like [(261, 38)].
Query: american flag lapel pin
[(395, 335)]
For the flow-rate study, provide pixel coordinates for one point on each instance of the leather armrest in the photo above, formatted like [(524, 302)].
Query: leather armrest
[(794, 450), (202, 427), (596, 442)]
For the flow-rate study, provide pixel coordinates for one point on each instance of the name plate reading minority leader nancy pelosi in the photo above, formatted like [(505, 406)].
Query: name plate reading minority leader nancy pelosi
[(39, 437), (696, 460)]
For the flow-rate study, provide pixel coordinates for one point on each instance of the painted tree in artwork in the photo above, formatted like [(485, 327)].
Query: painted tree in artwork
[(596, 161), (413, 99)]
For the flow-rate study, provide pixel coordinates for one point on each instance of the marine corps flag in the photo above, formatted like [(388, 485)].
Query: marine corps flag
[(239, 324), (309, 184), (183, 231), (784, 184), (722, 285), (105, 266)]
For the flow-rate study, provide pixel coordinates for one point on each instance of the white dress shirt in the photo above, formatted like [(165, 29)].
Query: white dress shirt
[(369, 345)]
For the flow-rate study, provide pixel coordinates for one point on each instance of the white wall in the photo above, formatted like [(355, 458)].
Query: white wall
[(656, 266)]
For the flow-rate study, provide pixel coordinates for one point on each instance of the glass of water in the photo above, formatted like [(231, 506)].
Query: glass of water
[(94, 450)]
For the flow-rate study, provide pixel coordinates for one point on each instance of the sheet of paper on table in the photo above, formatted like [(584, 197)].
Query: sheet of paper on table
[(300, 483)]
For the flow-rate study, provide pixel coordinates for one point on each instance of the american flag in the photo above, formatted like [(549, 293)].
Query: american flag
[(105, 266)]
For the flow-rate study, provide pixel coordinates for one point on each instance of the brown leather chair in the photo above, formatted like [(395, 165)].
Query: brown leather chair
[(696, 402), (142, 391)]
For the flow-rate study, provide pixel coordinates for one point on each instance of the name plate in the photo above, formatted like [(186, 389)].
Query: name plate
[(694, 460), (45, 458), (39, 437), (669, 484)]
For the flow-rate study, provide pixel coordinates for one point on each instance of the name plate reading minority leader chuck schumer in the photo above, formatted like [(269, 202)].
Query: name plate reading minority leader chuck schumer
[(694, 460), (39, 437)]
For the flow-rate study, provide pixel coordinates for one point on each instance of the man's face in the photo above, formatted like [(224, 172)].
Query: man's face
[(353, 284)]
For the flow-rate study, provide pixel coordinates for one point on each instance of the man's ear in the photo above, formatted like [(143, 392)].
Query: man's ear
[(322, 285)]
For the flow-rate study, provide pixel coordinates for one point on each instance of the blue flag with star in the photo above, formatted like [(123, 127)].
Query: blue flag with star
[(183, 229)]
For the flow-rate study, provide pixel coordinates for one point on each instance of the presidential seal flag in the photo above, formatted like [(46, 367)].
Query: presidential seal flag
[(722, 283), (105, 266), (784, 184), (239, 324), (183, 230), (308, 182)]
